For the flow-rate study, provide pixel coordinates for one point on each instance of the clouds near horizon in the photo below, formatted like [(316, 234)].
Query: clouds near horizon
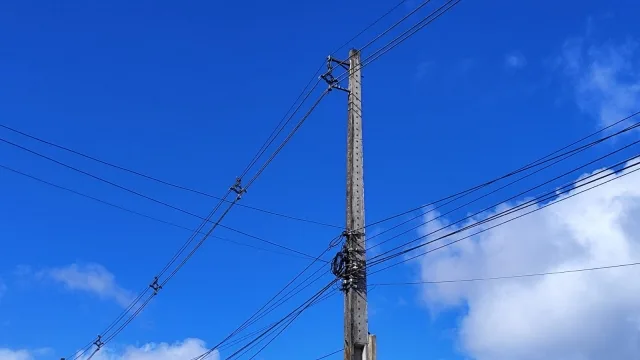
[(187, 349), (582, 316)]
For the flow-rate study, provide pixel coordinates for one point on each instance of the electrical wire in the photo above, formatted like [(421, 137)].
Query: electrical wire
[(272, 243), (159, 285), (393, 26), (372, 41), (557, 159), (325, 297), (248, 321), (105, 334), (535, 163), (250, 183), (412, 31), (164, 182), (533, 202), (399, 40), (286, 118), (281, 125), (287, 139), (554, 193), (282, 327), (268, 143), (299, 311), (266, 309), (156, 285), (515, 196), (374, 23), (506, 277), (292, 293), (149, 197), (217, 223), (239, 243), (259, 172), (330, 354), (303, 306)]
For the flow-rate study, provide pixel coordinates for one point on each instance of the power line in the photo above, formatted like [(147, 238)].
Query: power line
[(268, 162), (551, 156), (385, 32), (137, 193), (266, 309), (326, 296), (286, 118), (294, 253), (411, 31), (503, 214), (518, 195), (331, 354), (208, 218), (547, 196), (374, 23), (232, 203), (299, 311), (559, 158), (305, 305), (251, 319), (283, 326), (287, 139), (573, 271), (281, 125), (155, 179), (272, 243), (418, 8), (399, 40), (157, 283), (101, 179)]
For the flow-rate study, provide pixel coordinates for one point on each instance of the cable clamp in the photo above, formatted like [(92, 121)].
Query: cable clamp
[(238, 189), (99, 343), (155, 286)]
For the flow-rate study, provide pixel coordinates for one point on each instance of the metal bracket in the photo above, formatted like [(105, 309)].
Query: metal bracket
[(99, 343), (155, 286), (328, 77), (238, 189)]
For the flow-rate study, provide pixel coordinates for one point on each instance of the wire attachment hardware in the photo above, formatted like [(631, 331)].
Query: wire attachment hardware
[(155, 286), (328, 77), (99, 343), (238, 189), (349, 264)]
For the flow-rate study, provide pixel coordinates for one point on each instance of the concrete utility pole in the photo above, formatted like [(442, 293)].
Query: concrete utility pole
[(350, 263), (356, 322)]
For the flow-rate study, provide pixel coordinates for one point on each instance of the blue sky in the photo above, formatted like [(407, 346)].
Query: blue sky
[(188, 91)]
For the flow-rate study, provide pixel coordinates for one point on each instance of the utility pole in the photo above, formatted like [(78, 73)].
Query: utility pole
[(350, 262), (356, 322)]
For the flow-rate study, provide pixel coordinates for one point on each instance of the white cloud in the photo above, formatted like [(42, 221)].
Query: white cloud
[(92, 278), (186, 349), (182, 350), (585, 316), (515, 61), (8, 354), (605, 77)]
